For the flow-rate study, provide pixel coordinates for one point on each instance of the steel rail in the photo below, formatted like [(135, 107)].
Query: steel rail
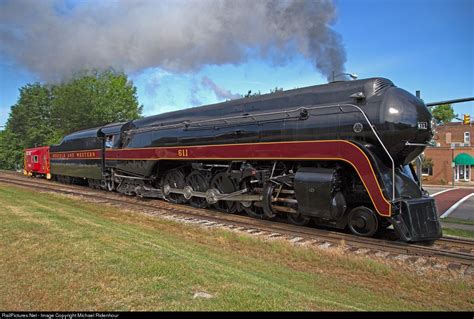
[(455, 241), (261, 225)]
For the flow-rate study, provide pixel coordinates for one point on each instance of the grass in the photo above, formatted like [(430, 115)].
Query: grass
[(457, 221), (458, 232), (59, 253)]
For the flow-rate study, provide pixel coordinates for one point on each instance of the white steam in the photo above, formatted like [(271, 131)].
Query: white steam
[(220, 93), (54, 40)]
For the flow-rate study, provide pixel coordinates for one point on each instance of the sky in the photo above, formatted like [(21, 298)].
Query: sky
[(425, 45)]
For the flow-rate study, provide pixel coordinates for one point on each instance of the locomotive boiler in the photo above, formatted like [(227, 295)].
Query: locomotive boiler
[(339, 154)]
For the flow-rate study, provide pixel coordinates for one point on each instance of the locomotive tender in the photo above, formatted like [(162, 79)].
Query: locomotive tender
[(338, 154)]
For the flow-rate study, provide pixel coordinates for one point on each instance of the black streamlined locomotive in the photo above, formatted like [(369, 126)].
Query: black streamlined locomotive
[(339, 154)]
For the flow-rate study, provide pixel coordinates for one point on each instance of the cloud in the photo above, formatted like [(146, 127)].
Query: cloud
[(54, 40), (154, 79), (194, 98)]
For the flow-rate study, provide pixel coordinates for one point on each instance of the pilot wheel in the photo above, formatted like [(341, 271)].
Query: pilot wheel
[(298, 219), (363, 222)]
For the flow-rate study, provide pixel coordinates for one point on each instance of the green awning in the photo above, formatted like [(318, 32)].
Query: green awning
[(464, 159)]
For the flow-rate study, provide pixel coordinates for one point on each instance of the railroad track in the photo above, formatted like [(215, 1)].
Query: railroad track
[(458, 252)]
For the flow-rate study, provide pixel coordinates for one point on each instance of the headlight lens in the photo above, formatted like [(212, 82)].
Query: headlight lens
[(433, 126)]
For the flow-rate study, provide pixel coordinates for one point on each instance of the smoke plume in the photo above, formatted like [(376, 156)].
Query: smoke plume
[(54, 39), (221, 93)]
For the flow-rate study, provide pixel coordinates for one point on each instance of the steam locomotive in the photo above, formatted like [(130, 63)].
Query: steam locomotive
[(339, 154)]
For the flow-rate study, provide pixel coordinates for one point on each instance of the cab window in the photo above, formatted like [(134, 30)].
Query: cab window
[(109, 141)]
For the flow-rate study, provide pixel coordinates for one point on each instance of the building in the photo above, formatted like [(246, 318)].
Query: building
[(452, 155)]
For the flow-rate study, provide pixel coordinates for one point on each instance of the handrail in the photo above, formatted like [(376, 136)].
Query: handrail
[(383, 145), (299, 109), (417, 144)]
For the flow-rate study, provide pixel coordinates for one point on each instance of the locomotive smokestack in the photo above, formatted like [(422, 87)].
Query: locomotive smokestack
[(54, 39)]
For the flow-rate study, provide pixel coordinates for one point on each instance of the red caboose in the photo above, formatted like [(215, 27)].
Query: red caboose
[(36, 162)]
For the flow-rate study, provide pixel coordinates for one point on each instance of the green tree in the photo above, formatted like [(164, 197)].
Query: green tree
[(94, 99), (30, 117), (11, 154), (443, 113), (44, 114), (28, 125)]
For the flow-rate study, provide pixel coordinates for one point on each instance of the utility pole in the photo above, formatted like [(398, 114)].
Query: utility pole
[(466, 99), (453, 165)]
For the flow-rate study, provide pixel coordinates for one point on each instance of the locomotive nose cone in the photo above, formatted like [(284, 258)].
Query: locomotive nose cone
[(407, 118)]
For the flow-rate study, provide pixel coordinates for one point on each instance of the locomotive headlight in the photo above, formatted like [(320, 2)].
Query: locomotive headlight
[(433, 126), (393, 111)]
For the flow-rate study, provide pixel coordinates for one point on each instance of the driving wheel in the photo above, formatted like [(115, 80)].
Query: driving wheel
[(199, 181), (173, 179), (224, 185)]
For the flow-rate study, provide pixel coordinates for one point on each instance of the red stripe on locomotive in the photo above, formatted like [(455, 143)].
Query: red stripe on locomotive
[(306, 150), (302, 150)]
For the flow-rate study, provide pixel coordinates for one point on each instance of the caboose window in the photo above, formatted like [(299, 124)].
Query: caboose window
[(35, 159)]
